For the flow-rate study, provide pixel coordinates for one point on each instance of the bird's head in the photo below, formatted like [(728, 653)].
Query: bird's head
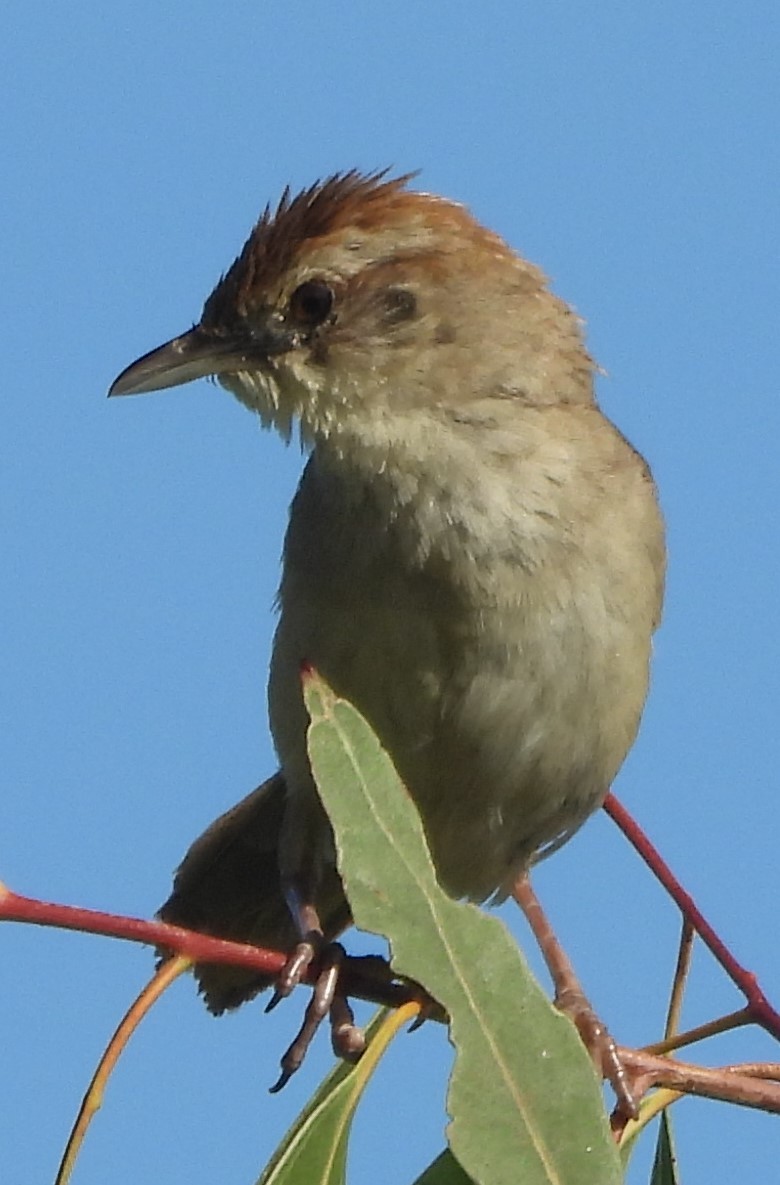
[(359, 297)]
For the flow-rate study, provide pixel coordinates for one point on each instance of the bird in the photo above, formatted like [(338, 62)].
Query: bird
[(474, 558)]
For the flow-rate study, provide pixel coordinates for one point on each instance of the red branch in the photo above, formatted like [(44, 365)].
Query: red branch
[(199, 947), (366, 977), (759, 1008)]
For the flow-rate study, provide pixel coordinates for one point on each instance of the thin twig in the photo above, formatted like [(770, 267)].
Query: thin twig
[(730, 1084), (681, 972), (363, 977), (722, 1024), (761, 1010)]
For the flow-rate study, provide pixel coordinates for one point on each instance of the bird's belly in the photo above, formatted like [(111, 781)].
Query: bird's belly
[(506, 727)]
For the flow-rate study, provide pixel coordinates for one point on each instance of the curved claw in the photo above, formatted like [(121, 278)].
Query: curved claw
[(347, 1038), (325, 1000), (601, 1046), (297, 965)]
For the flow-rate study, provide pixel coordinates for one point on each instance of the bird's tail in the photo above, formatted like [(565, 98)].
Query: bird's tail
[(228, 885)]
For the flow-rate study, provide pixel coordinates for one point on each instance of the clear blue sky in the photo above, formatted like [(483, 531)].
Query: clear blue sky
[(632, 151)]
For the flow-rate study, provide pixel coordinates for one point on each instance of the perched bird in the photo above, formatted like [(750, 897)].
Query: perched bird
[(474, 558)]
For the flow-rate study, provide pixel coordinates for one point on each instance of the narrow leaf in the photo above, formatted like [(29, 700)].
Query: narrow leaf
[(314, 1151), (524, 1100), (665, 1162), (444, 1170)]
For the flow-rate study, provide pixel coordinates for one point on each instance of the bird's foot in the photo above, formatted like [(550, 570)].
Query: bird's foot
[(326, 1001), (571, 999), (294, 970), (601, 1046)]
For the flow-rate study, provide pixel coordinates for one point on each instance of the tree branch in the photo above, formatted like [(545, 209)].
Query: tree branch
[(761, 1011)]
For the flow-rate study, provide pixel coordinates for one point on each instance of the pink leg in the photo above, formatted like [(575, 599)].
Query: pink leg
[(571, 999)]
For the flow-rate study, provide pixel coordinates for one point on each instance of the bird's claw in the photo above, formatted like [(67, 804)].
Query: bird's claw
[(601, 1046), (347, 1038)]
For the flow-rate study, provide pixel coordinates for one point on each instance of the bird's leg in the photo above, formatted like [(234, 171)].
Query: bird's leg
[(327, 1000), (307, 922), (571, 999)]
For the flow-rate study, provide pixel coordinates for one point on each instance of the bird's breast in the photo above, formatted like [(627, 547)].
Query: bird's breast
[(495, 659)]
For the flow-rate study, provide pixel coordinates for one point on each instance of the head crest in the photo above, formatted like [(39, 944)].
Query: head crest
[(339, 201)]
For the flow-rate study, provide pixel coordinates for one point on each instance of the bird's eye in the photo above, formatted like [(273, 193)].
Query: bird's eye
[(400, 305), (311, 302)]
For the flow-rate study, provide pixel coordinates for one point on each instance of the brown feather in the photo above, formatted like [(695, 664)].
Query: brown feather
[(228, 885)]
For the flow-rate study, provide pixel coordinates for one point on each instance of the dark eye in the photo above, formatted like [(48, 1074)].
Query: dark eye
[(311, 302), (400, 305)]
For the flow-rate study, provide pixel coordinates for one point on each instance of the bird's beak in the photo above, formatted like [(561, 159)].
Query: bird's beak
[(194, 355)]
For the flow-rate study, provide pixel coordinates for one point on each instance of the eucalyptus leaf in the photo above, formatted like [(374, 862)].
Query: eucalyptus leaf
[(665, 1169), (314, 1151), (444, 1170), (524, 1100)]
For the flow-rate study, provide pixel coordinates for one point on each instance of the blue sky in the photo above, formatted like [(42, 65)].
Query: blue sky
[(632, 151)]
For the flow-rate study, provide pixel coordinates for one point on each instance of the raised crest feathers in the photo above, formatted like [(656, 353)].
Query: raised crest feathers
[(335, 203)]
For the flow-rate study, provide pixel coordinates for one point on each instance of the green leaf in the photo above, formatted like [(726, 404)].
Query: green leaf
[(665, 1162), (314, 1151), (524, 1099), (444, 1170)]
